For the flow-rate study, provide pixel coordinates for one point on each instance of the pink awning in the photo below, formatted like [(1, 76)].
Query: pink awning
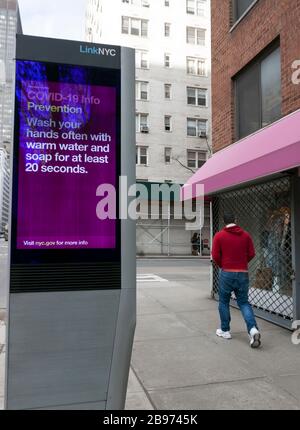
[(271, 150)]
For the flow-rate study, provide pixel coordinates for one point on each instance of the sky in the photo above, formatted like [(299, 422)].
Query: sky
[(62, 19)]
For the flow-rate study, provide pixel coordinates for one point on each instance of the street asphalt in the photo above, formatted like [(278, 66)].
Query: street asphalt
[(179, 363)]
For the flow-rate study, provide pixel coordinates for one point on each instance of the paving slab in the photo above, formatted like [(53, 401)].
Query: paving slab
[(137, 401), (289, 383), (186, 362), (207, 321), (256, 394), (182, 299), (277, 356), (134, 385), (136, 398), (2, 333), (148, 305), (162, 326)]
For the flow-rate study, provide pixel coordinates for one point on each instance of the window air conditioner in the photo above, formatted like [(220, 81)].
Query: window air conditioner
[(203, 134), (144, 129)]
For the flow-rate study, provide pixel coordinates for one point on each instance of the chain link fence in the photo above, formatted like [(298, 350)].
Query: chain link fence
[(264, 211)]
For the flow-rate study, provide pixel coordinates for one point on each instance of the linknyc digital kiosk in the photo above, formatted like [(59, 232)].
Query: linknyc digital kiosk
[(72, 282)]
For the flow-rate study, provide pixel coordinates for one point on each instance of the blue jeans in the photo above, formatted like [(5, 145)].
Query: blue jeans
[(239, 284)]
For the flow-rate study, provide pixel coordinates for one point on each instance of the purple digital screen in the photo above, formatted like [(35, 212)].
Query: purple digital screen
[(67, 149)]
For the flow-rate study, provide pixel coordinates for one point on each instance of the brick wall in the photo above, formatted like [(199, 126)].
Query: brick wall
[(231, 51)]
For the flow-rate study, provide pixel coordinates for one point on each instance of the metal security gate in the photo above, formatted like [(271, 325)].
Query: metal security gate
[(264, 210)]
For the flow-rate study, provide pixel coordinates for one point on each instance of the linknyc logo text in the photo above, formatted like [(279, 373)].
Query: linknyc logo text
[(108, 52)]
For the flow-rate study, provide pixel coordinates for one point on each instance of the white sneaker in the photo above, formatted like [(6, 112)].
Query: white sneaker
[(223, 334), (255, 338)]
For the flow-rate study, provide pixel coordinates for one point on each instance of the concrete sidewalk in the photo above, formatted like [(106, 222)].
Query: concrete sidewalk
[(179, 363)]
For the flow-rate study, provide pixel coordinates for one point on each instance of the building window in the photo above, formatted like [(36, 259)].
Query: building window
[(142, 155), (144, 28), (168, 155), (196, 96), (196, 7), (196, 159), (258, 94), (196, 66), (167, 60), (196, 127), (239, 7), (168, 90), (125, 25), (167, 3), (195, 36), (142, 90), (142, 123), (142, 59), (168, 123), (134, 26), (167, 29), (144, 3)]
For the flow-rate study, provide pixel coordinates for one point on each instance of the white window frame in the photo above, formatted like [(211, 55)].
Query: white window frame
[(168, 153), (139, 123), (197, 127), (168, 124), (196, 66), (141, 3), (139, 60), (196, 36), (130, 27), (139, 156), (199, 161), (139, 90), (168, 90), (167, 63), (167, 29), (197, 8), (197, 92)]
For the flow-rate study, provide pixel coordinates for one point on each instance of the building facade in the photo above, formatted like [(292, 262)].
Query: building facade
[(9, 23), (243, 32), (4, 188), (254, 171), (173, 100)]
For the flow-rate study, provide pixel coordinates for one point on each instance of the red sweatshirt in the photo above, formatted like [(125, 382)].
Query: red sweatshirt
[(233, 249)]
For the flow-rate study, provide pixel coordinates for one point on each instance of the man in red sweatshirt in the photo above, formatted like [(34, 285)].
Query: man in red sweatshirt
[(232, 250)]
